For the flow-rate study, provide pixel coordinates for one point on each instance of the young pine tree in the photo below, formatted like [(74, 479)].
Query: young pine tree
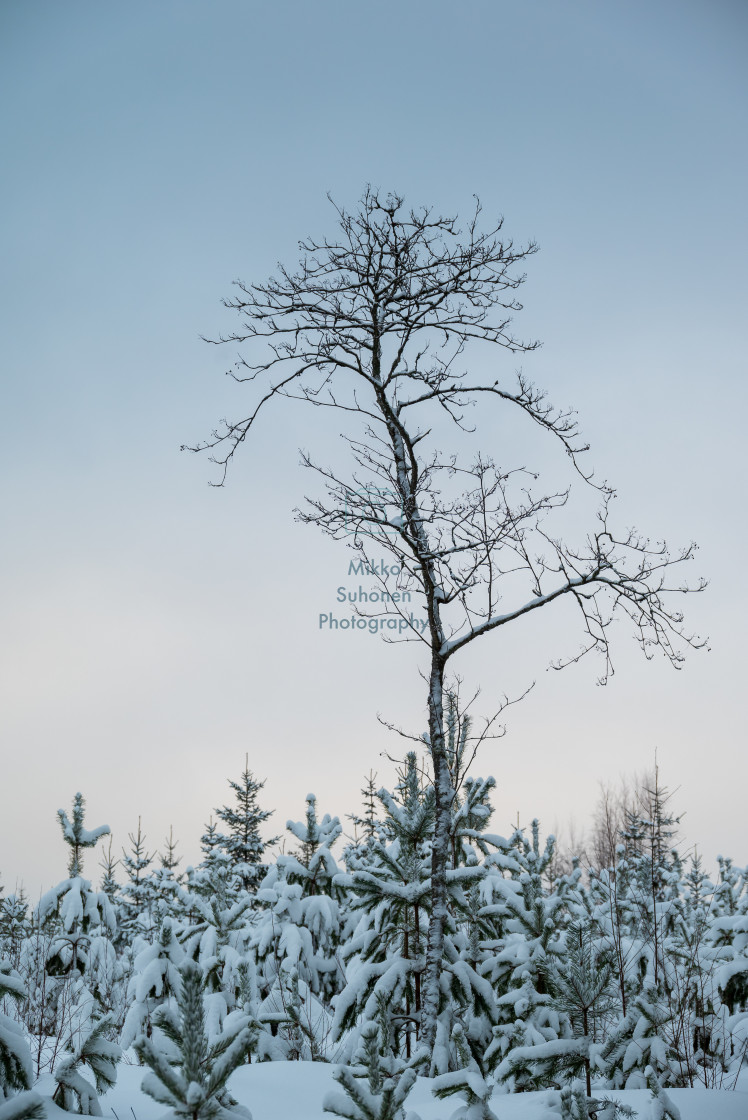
[(72, 909), (188, 1072), (15, 1059), (87, 1046), (468, 1081), (16, 1101), (76, 836), (378, 1088)]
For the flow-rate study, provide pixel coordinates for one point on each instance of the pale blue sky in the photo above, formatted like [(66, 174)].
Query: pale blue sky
[(152, 629)]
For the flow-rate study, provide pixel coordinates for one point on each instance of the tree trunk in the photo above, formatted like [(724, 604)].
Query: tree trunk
[(406, 475), (439, 853), (587, 1075)]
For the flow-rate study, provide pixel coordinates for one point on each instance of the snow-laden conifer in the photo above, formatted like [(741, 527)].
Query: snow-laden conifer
[(301, 925), (296, 937), (72, 907), (580, 982), (17, 1102), (573, 1103), (72, 943), (644, 1040), (15, 1058), (215, 931), (379, 1085), (164, 881), (137, 897), (527, 921), (154, 982), (23, 1106), (189, 1072), (661, 1107), (88, 1046), (75, 995), (242, 841), (390, 885), (109, 884), (468, 1081), (15, 924), (76, 836)]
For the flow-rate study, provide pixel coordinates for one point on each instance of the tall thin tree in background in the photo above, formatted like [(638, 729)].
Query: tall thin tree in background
[(170, 861), (136, 904), (244, 844)]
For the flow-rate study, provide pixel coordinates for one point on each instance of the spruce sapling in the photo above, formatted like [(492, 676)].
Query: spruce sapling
[(243, 843)]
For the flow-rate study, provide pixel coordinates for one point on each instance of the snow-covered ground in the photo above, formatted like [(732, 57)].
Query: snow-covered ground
[(295, 1090)]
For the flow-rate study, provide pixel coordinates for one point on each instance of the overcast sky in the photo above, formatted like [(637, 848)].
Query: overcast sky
[(152, 629)]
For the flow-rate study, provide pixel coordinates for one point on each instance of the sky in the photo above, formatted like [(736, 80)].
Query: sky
[(154, 629)]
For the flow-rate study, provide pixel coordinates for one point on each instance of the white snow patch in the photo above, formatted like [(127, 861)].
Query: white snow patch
[(295, 1090)]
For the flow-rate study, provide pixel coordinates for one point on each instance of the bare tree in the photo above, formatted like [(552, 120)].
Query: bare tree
[(378, 323), (571, 848), (616, 804)]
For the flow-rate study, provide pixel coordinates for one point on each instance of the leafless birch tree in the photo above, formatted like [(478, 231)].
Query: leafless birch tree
[(392, 322)]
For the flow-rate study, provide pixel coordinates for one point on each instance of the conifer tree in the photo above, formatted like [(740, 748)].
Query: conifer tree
[(213, 847), (137, 903), (215, 932), (369, 794), (17, 1102), (76, 836), (169, 859), (190, 1072), (391, 892), (162, 883), (109, 884), (315, 866), (24, 1106), (72, 947), (15, 925), (469, 1081), (390, 885), (72, 905), (89, 1046), (728, 935), (379, 1087), (368, 823), (243, 843), (580, 981), (15, 1059), (154, 982), (301, 927), (575, 1104), (642, 1043), (661, 1107), (528, 920)]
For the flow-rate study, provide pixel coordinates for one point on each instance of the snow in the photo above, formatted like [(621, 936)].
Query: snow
[(295, 1091)]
